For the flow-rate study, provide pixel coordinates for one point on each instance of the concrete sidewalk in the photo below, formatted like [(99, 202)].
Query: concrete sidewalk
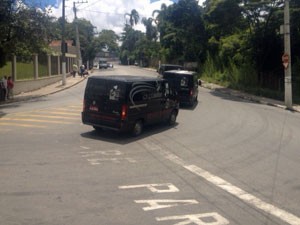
[(44, 91), (249, 97)]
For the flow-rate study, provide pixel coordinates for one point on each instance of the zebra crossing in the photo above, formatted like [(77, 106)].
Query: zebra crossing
[(43, 118)]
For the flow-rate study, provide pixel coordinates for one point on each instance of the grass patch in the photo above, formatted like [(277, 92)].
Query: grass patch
[(25, 71)]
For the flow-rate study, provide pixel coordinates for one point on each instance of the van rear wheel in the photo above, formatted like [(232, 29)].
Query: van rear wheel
[(137, 128), (172, 118)]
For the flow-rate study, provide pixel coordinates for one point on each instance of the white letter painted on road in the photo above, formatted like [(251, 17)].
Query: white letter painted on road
[(114, 160), (166, 203), (106, 153), (168, 187), (199, 219)]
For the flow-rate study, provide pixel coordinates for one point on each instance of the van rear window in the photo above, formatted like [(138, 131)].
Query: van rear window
[(178, 80), (112, 90)]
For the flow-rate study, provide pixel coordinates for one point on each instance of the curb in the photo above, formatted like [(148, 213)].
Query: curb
[(245, 96)]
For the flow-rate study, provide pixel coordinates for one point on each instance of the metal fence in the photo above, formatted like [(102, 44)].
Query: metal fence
[(37, 66)]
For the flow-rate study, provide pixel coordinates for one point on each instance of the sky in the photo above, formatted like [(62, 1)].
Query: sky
[(104, 14)]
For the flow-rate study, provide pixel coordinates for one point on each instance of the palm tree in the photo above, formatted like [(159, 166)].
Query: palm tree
[(134, 17), (160, 13), (151, 31)]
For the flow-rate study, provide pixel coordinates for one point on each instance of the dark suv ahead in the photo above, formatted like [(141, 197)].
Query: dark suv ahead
[(165, 67), (185, 83), (128, 103)]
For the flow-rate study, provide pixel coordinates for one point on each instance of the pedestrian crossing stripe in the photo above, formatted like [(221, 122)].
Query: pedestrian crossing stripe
[(63, 113), (21, 125), (51, 117), (37, 118)]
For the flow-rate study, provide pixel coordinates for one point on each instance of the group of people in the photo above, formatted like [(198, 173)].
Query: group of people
[(82, 70), (6, 88)]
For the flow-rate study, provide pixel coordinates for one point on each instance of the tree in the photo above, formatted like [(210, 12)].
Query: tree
[(86, 37), (151, 31), (134, 17), (182, 31), (24, 32), (6, 18), (129, 39), (107, 39)]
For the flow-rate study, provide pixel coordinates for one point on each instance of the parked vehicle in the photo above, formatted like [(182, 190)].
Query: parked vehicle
[(103, 64), (185, 83), (128, 103), (166, 67)]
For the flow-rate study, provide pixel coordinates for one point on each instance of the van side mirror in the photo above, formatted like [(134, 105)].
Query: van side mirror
[(199, 82)]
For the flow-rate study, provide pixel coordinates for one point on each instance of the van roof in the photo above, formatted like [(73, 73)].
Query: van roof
[(170, 65), (180, 72), (125, 78)]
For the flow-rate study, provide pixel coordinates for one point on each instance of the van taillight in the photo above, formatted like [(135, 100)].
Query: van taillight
[(191, 92), (124, 112)]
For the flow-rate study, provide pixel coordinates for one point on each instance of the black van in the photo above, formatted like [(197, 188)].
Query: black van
[(185, 83), (128, 103), (166, 67)]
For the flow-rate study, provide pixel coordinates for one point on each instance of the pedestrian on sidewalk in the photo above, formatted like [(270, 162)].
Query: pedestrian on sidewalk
[(4, 88), (1, 91), (10, 86), (75, 69), (82, 69)]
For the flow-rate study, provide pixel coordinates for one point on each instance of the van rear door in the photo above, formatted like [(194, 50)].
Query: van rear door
[(103, 102)]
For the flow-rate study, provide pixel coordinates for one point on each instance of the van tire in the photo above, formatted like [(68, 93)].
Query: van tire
[(98, 129), (137, 128), (172, 118)]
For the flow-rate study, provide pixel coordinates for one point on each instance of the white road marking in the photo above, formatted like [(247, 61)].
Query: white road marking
[(105, 153), (200, 219), (228, 187), (21, 125), (98, 161), (35, 120), (92, 156), (155, 188), (168, 203)]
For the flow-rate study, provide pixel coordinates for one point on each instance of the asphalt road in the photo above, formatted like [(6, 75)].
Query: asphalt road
[(227, 161)]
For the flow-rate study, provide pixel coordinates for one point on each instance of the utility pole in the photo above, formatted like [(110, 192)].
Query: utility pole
[(79, 59), (63, 45), (286, 58)]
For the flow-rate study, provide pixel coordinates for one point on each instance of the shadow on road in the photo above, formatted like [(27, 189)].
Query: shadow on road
[(224, 94), (126, 138)]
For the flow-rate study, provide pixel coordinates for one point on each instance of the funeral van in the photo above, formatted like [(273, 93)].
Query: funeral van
[(127, 103), (185, 83)]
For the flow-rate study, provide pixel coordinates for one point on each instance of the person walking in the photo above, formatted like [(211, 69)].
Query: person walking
[(75, 69), (10, 86), (82, 69), (4, 87), (1, 91)]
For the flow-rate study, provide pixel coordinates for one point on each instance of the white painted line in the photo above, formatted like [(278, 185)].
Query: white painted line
[(235, 191), (155, 188), (21, 125), (131, 160), (226, 186), (105, 153), (166, 203), (98, 161), (243, 195), (199, 219)]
